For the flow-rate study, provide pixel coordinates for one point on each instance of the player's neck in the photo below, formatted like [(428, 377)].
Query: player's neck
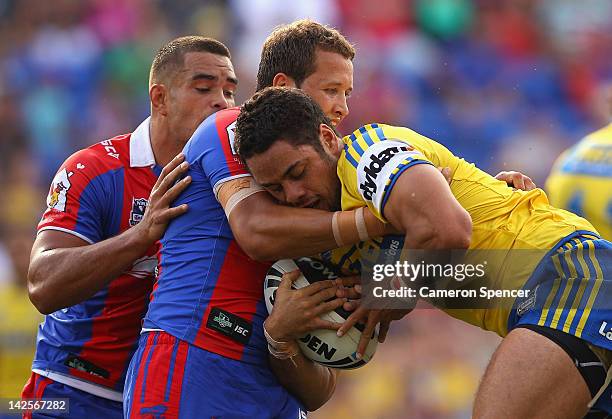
[(164, 146)]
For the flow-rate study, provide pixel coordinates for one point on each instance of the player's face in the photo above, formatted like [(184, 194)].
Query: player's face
[(298, 176), (206, 84), (331, 84)]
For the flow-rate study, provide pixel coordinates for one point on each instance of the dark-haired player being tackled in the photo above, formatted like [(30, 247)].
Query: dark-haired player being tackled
[(556, 352)]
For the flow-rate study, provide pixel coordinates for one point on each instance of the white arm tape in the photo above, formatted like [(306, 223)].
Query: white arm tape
[(241, 194), (362, 230)]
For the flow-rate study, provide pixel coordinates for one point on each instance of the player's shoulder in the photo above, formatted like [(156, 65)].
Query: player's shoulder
[(370, 134), (377, 141), (602, 136), (101, 157), (218, 128), (217, 124)]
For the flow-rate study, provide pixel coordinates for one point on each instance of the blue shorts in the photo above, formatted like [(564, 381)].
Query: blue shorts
[(169, 377), (571, 291), (80, 403)]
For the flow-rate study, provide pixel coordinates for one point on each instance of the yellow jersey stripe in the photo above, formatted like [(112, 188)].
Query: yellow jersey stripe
[(551, 295), (567, 288), (598, 280), (376, 133), (583, 283)]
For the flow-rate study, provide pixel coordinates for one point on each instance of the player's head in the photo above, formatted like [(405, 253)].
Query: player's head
[(191, 78), (311, 57), (290, 147)]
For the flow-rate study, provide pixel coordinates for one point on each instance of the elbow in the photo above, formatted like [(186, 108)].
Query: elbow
[(255, 241), (451, 233), (256, 248), (464, 230), (458, 235), (312, 405), (37, 297), (38, 293), (262, 253)]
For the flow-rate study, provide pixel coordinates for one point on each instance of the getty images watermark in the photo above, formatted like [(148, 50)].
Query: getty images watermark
[(400, 273), (474, 279)]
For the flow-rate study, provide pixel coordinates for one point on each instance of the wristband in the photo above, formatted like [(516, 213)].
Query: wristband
[(336, 229), (362, 230), (281, 350)]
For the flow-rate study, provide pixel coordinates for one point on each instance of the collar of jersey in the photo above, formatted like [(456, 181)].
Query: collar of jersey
[(141, 152)]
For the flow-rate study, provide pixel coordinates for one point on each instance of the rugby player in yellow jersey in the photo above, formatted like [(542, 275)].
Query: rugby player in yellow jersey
[(581, 179), (293, 151)]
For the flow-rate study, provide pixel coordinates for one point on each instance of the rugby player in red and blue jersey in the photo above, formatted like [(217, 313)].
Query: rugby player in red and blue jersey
[(92, 264)]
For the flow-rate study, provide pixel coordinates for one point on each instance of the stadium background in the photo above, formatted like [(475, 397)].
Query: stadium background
[(506, 84)]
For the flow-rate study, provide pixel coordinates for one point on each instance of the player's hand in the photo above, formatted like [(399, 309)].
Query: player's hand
[(516, 180), (349, 287), (159, 213), (371, 318), (296, 312)]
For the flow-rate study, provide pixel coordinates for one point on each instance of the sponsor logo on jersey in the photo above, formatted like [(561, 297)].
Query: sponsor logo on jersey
[(527, 304), (110, 149), (59, 190), (139, 205), (374, 166), (223, 320), (230, 325), (231, 137), (605, 331), (81, 364)]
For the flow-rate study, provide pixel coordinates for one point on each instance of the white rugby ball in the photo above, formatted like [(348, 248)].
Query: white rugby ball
[(322, 346)]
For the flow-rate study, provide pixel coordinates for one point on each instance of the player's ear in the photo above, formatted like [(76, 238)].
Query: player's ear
[(329, 139), (283, 80), (159, 98)]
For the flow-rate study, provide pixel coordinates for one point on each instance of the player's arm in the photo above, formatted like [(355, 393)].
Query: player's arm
[(295, 313), (313, 384), (422, 206), (66, 269), (267, 230)]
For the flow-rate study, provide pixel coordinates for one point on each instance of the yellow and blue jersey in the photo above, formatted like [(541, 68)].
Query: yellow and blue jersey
[(581, 180), (374, 157)]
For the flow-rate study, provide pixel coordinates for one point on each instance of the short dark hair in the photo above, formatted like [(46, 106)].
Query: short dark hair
[(171, 56), (291, 49), (275, 113)]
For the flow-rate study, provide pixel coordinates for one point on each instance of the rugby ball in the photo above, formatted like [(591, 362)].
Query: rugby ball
[(322, 346)]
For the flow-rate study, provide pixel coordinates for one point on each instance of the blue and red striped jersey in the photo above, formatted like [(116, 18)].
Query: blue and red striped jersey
[(98, 193), (208, 291)]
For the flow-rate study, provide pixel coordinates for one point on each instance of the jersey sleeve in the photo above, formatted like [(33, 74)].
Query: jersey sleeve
[(211, 150), (371, 168), (75, 203)]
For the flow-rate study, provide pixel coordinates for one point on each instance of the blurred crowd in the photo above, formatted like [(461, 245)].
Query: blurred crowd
[(506, 84)]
